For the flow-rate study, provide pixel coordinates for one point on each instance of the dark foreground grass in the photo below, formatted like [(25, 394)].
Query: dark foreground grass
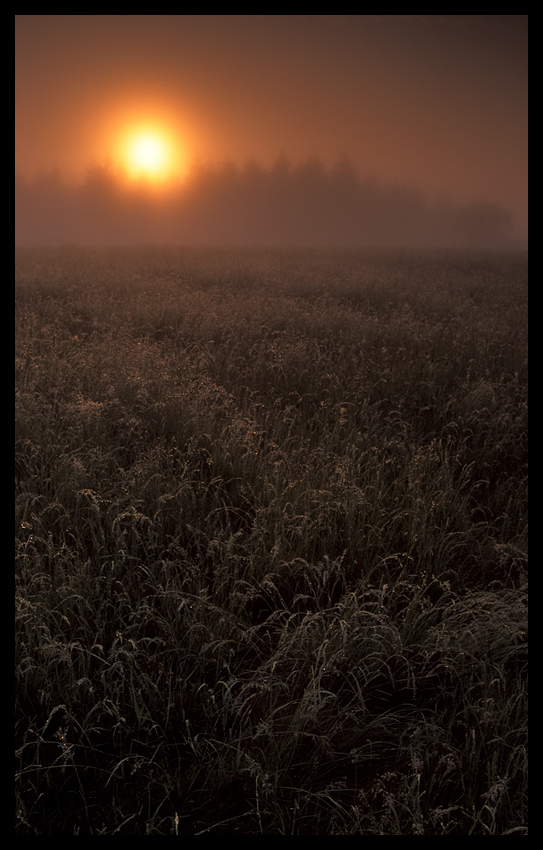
[(271, 531)]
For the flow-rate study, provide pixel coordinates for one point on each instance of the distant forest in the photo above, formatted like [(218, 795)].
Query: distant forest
[(306, 204)]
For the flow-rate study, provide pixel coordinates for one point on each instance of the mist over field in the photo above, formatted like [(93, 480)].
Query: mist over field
[(307, 204)]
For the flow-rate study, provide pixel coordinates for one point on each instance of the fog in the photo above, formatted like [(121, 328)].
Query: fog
[(396, 129), (287, 204)]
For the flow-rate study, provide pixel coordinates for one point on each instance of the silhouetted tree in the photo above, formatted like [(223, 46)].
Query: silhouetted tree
[(101, 182), (281, 169)]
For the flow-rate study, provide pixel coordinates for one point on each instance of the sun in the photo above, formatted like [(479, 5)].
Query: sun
[(148, 143), (148, 155), (151, 152)]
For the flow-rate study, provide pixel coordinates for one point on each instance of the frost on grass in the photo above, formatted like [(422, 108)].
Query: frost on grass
[(271, 531)]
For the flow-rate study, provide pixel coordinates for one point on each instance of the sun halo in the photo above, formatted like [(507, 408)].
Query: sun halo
[(150, 154)]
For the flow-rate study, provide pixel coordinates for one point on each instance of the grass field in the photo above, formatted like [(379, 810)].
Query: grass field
[(271, 543)]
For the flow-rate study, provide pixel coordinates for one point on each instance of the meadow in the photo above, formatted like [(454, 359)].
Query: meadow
[(271, 543)]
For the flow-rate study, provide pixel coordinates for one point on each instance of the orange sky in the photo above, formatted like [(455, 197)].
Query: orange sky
[(435, 101)]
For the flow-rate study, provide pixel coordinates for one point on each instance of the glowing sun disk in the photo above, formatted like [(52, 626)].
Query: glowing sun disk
[(148, 154)]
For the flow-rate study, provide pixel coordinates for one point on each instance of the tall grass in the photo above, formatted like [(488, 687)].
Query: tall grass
[(271, 537)]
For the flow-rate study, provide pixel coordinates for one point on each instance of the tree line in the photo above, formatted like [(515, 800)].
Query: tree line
[(306, 204)]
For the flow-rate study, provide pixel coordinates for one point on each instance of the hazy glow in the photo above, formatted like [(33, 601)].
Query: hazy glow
[(148, 153), (142, 135)]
